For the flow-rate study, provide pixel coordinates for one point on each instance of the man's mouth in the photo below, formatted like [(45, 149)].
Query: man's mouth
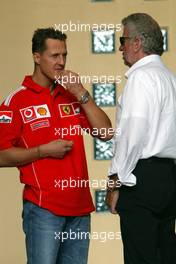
[(59, 69)]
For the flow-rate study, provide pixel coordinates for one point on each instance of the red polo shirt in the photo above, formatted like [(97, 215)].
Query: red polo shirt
[(31, 116)]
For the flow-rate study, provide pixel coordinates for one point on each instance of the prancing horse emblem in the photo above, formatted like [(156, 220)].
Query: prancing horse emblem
[(66, 109)]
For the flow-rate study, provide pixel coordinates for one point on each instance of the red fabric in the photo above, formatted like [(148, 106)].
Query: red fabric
[(31, 117)]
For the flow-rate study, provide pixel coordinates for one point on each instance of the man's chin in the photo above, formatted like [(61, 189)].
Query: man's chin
[(52, 78), (126, 62)]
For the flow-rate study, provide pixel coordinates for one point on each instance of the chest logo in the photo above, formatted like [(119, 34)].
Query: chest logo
[(66, 109), (71, 109), (42, 111), (39, 124), (35, 112)]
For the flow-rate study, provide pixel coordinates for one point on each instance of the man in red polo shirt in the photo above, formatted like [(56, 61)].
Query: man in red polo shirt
[(40, 125)]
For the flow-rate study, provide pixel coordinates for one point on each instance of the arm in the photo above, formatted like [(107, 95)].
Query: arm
[(128, 149), (137, 108), (96, 117), (112, 195), (10, 132), (15, 156)]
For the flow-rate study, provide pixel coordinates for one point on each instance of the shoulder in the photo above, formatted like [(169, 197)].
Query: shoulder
[(139, 80), (15, 96), (142, 74), (153, 71), (148, 77)]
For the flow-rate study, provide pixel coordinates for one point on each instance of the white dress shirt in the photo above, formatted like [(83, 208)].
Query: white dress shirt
[(145, 117)]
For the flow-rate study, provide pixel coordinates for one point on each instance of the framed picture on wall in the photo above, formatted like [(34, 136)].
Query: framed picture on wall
[(100, 204), (102, 149), (104, 94), (103, 41)]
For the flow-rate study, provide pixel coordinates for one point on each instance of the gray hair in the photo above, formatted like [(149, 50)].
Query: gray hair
[(144, 26)]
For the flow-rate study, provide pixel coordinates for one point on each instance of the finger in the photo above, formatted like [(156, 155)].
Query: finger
[(64, 72), (61, 73), (66, 143), (113, 211), (67, 148), (70, 143)]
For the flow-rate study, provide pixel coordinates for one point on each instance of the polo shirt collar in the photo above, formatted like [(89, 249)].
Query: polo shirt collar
[(145, 60), (29, 83)]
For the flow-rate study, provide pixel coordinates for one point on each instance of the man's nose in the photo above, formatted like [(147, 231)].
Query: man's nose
[(61, 60), (121, 48)]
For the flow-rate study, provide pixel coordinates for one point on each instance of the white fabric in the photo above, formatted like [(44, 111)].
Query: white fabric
[(145, 117)]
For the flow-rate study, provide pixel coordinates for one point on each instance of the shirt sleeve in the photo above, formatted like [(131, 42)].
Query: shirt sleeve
[(10, 126), (133, 119)]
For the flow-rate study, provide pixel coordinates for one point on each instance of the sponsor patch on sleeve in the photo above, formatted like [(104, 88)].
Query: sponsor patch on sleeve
[(6, 116)]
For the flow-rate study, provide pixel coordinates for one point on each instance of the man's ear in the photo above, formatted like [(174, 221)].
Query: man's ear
[(137, 44), (36, 57)]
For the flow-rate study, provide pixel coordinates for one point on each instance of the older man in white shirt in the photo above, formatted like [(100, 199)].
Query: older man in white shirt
[(145, 149)]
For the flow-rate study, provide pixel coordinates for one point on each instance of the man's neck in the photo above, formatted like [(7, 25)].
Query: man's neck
[(41, 80), (138, 57)]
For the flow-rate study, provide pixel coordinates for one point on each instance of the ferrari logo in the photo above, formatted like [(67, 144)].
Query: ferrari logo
[(66, 109)]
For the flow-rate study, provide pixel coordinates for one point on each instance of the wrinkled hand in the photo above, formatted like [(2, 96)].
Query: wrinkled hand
[(71, 81), (56, 149), (111, 200)]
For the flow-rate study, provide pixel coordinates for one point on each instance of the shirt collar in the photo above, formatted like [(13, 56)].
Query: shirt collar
[(145, 60), (29, 83)]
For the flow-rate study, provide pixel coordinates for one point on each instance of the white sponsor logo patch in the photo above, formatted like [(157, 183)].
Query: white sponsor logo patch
[(34, 112), (6, 116)]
